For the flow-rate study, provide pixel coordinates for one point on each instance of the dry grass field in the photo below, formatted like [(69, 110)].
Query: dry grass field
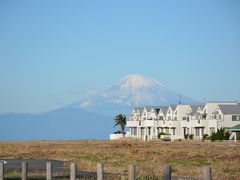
[(186, 157)]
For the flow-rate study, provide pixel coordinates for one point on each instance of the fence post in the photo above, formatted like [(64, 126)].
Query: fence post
[(207, 173), (100, 171), (131, 172), (49, 171), (72, 171), (24, 170), (167, 173), (1, 170)]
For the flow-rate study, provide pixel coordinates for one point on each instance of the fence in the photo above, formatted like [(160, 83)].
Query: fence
[(100, 175)]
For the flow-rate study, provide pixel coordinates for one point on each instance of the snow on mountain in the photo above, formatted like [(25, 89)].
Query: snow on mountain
[(131, 91)]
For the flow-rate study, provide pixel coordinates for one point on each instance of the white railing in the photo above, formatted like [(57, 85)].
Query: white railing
[(132, 123)]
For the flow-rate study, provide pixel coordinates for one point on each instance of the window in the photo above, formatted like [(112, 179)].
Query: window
[(161, 118), (184, 118), (204, 116), (197, 132), (236, 118), (174, 131), (134, 131)]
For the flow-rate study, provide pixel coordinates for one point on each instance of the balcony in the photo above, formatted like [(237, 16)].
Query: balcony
[(149, 123), (132, 123)]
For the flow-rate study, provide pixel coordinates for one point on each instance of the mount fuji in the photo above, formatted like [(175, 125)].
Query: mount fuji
[(131, 91), (91, 117)]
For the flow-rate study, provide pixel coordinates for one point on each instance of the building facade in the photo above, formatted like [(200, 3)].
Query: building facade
[(179, 121)]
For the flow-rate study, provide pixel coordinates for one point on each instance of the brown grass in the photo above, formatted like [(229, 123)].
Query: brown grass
[(186, 157)]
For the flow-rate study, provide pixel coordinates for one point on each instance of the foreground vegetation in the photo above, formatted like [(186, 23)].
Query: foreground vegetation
[(186, 157)]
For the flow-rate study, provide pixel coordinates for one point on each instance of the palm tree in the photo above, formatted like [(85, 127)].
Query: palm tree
[(120, 120)]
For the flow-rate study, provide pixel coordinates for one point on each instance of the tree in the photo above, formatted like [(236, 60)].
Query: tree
[(221, 134), (120, 120)]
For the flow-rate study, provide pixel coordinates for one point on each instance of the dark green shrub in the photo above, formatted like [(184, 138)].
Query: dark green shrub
[(161, 133), (227, 135), (191, 136), (205, 136), (220, 135), (186, 136)]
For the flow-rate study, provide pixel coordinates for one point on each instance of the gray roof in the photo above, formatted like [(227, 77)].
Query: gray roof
[(173, 107), (164, 109), (156, 108), (230, 109), (235, 128), (221, 101), (195, 108), (148, 108)]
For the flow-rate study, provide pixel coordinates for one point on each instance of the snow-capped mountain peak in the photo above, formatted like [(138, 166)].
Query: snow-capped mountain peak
[(136, 81), (132, 90)]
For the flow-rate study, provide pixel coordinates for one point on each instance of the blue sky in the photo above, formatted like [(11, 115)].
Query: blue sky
[(54, 53)]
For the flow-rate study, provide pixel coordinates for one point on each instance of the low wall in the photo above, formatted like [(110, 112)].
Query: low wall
[(116, 136)]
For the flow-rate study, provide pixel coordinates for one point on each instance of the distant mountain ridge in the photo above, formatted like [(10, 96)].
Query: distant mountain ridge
[(60, 124)]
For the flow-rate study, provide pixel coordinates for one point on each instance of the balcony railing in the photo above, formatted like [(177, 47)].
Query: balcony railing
[(132, 123)]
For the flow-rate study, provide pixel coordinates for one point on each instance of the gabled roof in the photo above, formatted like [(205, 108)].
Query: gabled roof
[(148, 108), (230, 109), (164, 109), (141, 110), (202, 106), (155, 108), (195, 109)]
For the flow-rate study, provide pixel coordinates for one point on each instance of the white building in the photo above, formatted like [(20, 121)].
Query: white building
[(181, 120)]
